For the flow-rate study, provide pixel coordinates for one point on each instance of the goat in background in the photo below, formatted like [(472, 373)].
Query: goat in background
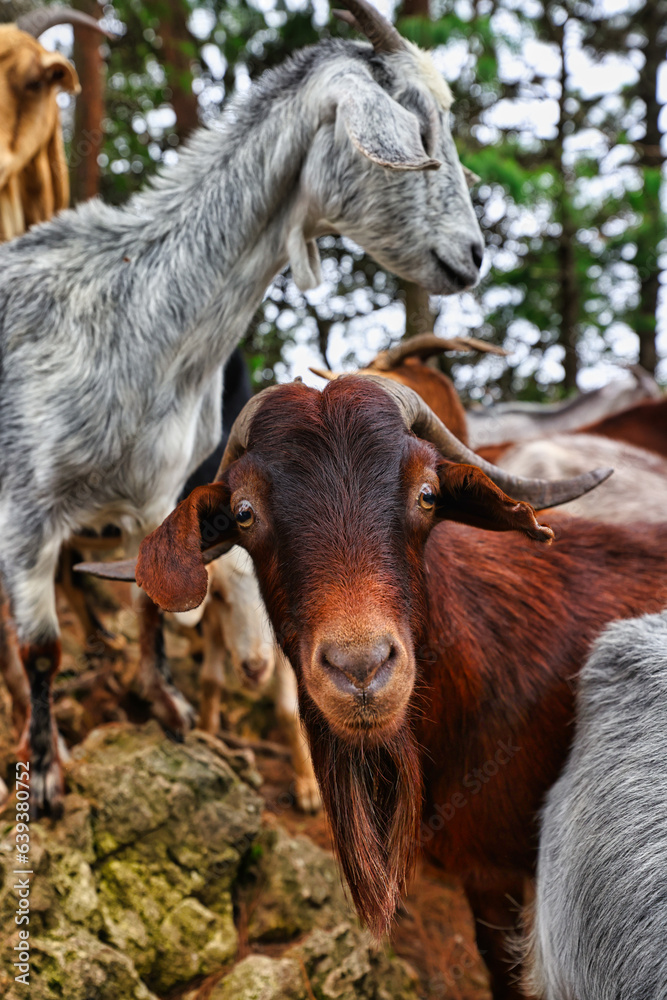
[(34, 181), (236, 630)]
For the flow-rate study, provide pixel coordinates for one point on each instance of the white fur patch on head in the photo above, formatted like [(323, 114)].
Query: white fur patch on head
[(433, 79)]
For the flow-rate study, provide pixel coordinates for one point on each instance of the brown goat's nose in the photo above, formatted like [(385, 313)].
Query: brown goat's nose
[(359, 669)]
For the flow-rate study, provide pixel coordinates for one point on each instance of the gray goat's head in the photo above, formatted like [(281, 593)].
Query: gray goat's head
[(383, 168)]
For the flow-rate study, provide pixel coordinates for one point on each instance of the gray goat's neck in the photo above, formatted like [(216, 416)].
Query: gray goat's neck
[(211, 235)]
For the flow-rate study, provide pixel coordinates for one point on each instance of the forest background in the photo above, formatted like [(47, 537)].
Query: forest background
[(561, 108)]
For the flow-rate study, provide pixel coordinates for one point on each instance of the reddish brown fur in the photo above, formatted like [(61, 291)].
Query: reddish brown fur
[(644, 425), (499, 627)]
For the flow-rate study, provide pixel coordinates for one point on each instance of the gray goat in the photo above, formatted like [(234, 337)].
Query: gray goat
[(601, 907), (114, 324)]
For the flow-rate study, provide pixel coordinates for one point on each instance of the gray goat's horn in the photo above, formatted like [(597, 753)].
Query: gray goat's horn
[(36, 22), (363, 17), (539, 493)]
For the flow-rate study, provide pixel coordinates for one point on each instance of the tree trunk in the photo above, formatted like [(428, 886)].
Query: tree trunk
[(566, 252), (179, 51), (89, 114), (652, 23), (418, 315)]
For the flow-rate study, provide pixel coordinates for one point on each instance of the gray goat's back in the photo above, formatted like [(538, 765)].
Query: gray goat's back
[(600, 919)]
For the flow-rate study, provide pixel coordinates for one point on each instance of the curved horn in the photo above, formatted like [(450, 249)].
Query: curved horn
[(38, 21), (427, 344), (325, 373), (539, 493), (237, 442), (363, 17)]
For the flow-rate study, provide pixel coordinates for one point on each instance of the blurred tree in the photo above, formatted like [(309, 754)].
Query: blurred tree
[(419, 317), (565, 205), (88, 135)]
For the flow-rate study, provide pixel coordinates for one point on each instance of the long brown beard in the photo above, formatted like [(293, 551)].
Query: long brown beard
[(373, 799)]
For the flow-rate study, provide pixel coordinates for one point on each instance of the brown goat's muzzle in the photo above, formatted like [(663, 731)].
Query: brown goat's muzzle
[(361, 677)]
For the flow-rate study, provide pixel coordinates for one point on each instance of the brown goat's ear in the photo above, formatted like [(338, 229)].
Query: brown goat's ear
[(170, 567), (468, 495)]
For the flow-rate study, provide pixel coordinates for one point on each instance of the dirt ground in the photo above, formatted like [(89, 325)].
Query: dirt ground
[(433, 930)]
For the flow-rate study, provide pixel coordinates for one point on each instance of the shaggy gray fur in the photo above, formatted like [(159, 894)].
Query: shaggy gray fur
[(114, 324), (601, 906)]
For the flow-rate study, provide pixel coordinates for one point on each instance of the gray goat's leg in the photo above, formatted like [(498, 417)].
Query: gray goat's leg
[(28, 581), (153, 678)]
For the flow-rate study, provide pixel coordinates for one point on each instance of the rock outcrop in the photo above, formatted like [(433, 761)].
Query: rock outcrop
[(161, 873)]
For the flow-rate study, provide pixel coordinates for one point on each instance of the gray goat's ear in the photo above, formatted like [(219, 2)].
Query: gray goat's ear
[(304, 258), (381, 128)]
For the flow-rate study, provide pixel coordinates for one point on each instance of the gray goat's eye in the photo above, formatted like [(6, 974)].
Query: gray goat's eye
[(244, 514)]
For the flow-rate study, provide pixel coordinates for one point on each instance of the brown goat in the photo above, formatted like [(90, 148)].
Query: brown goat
[(435, 661), (34, 182)]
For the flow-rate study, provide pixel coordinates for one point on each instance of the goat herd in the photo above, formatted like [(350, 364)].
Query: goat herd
[(430, 626)]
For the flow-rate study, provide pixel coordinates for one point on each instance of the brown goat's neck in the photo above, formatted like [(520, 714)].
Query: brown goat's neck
[(510, 625)]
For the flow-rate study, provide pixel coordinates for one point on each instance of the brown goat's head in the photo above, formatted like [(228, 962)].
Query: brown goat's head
[(334, 498)]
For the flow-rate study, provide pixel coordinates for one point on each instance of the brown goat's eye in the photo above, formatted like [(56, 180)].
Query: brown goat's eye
[(244, 514), (427, 498)]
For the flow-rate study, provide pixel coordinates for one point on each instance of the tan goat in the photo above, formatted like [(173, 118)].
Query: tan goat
[(34, 182)]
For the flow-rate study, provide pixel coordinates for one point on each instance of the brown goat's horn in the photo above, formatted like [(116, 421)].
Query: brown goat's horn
[(363, 17), (540, 493), (238, 436), (38, 21), (325, 373), (427, 344)]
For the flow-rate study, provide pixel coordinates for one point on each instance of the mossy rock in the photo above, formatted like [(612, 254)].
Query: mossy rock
[(346, 964), (142, 862), (79, 968), (296, 886), (260, 978), (194, 941)]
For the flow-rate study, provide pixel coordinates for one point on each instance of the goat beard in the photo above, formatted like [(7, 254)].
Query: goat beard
[(373, 799)]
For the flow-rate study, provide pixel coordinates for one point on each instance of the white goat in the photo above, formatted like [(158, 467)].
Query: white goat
[(111, 348), (235, 627)]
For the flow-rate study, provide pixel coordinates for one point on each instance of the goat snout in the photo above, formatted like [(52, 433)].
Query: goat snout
[(256, 669), (477, 254), (359, 670)]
